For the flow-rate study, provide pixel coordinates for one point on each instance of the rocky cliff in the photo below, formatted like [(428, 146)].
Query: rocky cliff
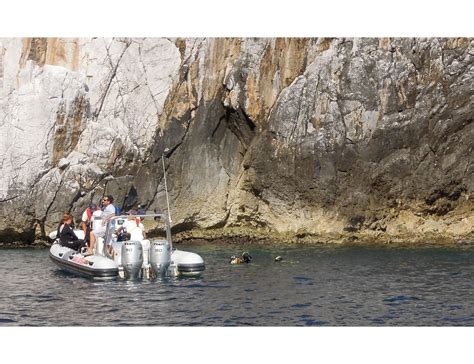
[(294, 139)]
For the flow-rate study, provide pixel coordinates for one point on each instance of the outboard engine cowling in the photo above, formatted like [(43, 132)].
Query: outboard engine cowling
[(132, 258), (117, 246), (160, 257)]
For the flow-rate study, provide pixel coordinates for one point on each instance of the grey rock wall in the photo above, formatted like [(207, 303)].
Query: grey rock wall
[(295, 139)]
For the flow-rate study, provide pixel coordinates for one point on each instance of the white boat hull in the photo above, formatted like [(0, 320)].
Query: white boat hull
[(187, 264), (93, 266), (183, 264)]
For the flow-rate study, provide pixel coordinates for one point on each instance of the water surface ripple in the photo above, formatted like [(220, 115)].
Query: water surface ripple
[(312, 286)]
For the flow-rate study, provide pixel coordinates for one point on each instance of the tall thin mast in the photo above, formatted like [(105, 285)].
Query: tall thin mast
[(166, 187)]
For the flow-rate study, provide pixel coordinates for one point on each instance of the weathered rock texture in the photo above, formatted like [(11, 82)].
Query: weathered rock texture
[(316, 139)]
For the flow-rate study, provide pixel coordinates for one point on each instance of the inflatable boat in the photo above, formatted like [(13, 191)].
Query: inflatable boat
[(129, 259)]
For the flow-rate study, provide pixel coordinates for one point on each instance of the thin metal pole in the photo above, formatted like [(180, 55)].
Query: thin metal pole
[(166, 188)]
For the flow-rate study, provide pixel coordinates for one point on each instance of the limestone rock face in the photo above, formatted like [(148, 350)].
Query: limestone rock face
[(314, 139)]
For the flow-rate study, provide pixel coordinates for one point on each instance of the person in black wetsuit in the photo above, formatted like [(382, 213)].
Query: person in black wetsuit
[(66, 234)]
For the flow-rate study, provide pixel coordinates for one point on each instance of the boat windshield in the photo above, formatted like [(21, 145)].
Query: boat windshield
[(156, 226)]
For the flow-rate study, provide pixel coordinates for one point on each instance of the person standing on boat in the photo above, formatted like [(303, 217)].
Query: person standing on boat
[(108, 211), (66, 234), (87, 219)]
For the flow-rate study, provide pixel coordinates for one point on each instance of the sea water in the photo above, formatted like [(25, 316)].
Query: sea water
[(314, 285)]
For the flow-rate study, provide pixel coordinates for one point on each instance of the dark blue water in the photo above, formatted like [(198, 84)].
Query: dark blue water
[(312, 286)]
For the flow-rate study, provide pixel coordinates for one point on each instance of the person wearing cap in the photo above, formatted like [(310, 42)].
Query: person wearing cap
[(86, 221)]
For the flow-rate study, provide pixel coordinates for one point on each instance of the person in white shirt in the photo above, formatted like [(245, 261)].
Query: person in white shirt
[(108, 211), (133, 226)]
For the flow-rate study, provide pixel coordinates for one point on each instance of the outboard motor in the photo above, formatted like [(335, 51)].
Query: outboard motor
[(132, 258), (160, 257), (117, 246)]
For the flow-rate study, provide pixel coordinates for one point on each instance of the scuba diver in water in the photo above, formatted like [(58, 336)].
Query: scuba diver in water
[(246, 258)]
